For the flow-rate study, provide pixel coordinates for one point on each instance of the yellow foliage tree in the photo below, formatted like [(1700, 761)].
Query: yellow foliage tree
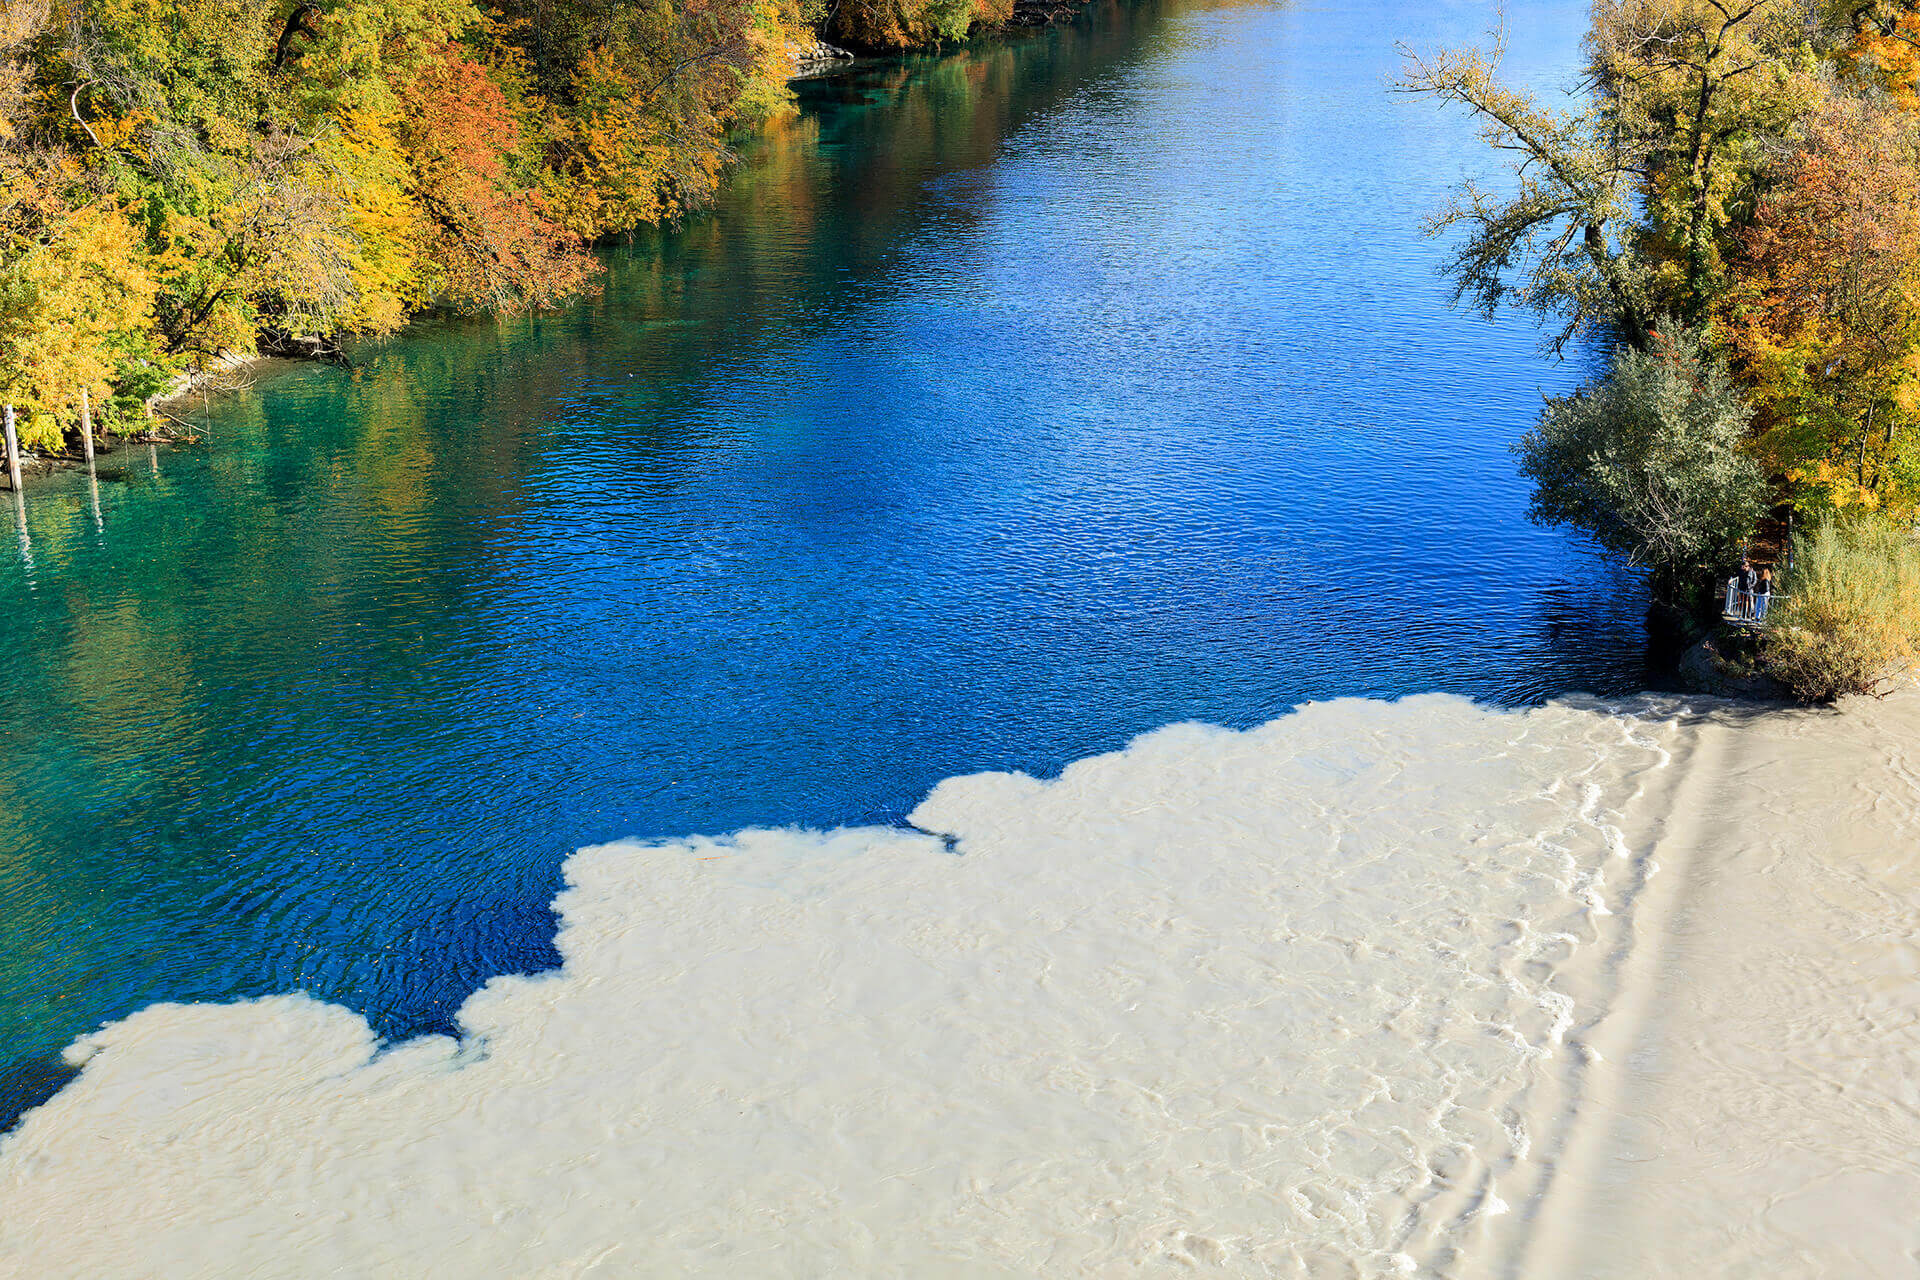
[(67, 305), (1825, 317)]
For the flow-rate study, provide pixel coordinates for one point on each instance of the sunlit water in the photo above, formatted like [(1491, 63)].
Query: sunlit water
[(1010, 405)]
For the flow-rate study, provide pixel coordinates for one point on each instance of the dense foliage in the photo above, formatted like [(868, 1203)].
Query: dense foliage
[(1747, 170), (1753, 167), (180, 178), (900, 24)]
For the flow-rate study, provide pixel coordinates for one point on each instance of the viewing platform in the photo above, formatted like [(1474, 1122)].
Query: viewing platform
[(1743, 608)]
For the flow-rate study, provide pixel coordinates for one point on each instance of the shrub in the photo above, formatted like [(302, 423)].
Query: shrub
[(1851, 613), (1650, 462)]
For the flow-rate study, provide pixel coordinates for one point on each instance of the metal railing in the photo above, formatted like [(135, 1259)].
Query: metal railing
[(1748, 608)]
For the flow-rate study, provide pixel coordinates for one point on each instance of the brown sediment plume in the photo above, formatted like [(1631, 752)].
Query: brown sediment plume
[(1412, 988)]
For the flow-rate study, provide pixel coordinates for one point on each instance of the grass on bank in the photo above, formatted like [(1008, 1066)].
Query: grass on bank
[(1851, 614)]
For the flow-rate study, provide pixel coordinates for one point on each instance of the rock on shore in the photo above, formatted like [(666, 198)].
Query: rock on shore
[(1712, 666), (811, 59)]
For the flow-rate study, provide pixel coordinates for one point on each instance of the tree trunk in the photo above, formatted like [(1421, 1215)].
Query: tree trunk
[(299, 23)]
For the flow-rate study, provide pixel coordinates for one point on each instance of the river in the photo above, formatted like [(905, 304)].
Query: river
[(1010, 405)]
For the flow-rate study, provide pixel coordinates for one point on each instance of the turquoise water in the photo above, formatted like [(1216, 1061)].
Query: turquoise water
[(1009, 405)]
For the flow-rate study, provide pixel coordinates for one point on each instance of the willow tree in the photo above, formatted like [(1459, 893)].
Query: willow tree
[(1648, 461), (1623, 202), (1560, 240)]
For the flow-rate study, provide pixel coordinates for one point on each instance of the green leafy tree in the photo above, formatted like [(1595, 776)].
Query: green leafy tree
[(1700, 93), (1619, 208), (1649, 462)]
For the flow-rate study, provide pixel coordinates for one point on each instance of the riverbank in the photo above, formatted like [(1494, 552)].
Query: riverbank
[(162, 425), (992, 423), (47, 397)]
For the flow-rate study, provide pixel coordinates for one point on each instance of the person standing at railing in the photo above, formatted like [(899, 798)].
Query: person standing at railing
[(1763, 595), (1748, 581)]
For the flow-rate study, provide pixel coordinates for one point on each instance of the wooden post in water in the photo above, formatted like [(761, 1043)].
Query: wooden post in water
[(20, 524), (13, 452), (86, 425)]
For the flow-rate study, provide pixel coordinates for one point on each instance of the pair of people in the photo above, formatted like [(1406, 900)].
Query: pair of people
[(1755, 589)]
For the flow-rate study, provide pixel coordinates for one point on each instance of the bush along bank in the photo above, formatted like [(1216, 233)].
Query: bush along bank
[(1734, 206), (1850, 618)]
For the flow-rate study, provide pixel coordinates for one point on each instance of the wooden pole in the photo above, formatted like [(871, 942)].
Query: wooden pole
[(13, 452), (86, 424)]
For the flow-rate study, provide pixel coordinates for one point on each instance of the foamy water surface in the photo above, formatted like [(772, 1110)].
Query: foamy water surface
[(1292, 1001), (1374, 989)]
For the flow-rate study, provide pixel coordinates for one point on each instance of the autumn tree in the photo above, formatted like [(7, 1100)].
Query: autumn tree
[(182, 178), (640, 99), (494, 247), (74, 306), (1826, 318), (75, 295), (1621, 205), (1697, 90), (899, 24), (174, 110), (1883, 48)]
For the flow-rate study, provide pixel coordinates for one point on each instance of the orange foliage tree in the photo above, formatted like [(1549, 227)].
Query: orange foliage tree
[(495, 245), (1885, 48), (1824, 318)]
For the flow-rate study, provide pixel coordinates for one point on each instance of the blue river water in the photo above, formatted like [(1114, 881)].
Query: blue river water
[(1010, 403)]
